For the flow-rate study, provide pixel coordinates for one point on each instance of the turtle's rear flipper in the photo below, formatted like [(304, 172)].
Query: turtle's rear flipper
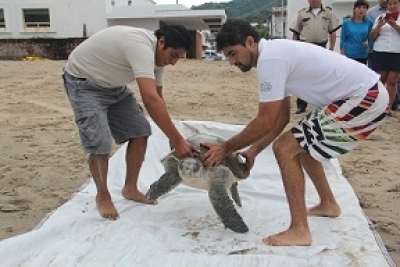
[(166, 183), (225, 209), (235, 194)]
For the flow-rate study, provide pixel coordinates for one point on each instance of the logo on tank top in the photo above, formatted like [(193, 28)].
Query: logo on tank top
[(265, 87)]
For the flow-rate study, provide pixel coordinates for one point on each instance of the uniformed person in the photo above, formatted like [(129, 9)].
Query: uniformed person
[(315, 24)]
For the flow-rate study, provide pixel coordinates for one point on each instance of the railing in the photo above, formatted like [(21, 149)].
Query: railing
[(37, 24)]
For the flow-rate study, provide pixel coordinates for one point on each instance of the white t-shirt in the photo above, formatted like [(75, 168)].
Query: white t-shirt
[(315, 11), (116, 56), (315, 74), (388, 39)]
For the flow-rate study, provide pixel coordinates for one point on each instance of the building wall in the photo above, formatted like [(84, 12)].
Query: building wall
[(198, 45), (55, 49), (279, 22), (71, 21), (151, 24), (68, 18), (115, 3)]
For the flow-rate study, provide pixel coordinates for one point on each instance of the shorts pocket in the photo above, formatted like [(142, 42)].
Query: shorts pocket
[(89, 128)]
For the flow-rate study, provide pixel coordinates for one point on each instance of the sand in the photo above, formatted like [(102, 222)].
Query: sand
[(42, 163)]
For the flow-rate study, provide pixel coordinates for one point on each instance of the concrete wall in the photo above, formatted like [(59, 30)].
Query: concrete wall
[(151, 24), (68, 18), (115, 3), (279, 22), (56, 49)]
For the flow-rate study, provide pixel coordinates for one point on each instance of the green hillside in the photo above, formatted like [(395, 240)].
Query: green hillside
[(252, 10)]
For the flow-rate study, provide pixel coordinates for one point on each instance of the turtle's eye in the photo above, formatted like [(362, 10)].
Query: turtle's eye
[(197, 155)]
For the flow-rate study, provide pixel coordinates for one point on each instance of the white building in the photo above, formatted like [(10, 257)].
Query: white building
[(278, 21), (63, 19), (51, 18), (21, 19), (342, 9)]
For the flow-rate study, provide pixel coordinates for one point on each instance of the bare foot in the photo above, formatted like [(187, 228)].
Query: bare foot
[(331, 210), (289, 237), (106, 207), (135, 195)]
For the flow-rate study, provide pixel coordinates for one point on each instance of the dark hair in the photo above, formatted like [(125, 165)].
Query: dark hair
[(361, 3), (235, 32), (176, 36), (357, 4)]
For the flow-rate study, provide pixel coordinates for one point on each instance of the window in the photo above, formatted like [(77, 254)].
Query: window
[(2, 22), (37, 17)]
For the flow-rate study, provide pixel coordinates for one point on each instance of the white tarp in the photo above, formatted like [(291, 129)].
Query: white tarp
[(184, 230)]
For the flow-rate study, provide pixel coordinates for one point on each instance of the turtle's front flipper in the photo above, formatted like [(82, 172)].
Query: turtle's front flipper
[(222, 204), (168, 181), (235, 194)]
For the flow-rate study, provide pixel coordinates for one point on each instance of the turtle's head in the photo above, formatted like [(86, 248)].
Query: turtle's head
[(190, 168)]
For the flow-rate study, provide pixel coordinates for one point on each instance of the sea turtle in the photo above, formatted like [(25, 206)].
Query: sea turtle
[(220, 182)]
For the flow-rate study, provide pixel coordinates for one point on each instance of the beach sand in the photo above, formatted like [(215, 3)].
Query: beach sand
[(42, 163)]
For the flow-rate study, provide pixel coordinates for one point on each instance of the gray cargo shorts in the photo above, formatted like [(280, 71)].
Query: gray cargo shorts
[(102, 114)]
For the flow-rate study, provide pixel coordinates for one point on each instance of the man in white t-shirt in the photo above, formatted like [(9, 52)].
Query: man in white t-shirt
[(95, 79), (349, 101)]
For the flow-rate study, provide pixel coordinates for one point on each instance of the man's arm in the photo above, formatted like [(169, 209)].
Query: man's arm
[(332, 40), (296, 28), (155, 106), (282, 121), (334, 25), (160, 91), (264, 124)]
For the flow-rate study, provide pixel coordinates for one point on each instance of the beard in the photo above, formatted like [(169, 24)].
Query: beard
[(243, 68), (246, 67)]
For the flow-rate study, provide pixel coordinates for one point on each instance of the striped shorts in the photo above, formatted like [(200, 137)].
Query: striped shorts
[(337, 128)]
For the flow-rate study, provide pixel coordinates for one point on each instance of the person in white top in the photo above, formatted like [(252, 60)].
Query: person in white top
[(349, 101), (386, 57), (95, 79)]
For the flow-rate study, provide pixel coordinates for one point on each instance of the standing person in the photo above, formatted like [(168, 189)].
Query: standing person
[(354, 35), (95, 79), (315, 24), (373, 13), (385, 58), (350, 104), (377, 10)]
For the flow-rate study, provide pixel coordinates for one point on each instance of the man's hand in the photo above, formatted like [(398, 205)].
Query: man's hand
[(184, 149), (250, 155), (214, 156)]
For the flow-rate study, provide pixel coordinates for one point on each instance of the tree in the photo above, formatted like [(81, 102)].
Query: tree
[(264, 31)]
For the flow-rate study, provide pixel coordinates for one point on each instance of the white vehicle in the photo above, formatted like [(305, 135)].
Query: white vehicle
[(212, 54)]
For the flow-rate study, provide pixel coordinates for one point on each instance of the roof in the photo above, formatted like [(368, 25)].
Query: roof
[(172, 14)]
